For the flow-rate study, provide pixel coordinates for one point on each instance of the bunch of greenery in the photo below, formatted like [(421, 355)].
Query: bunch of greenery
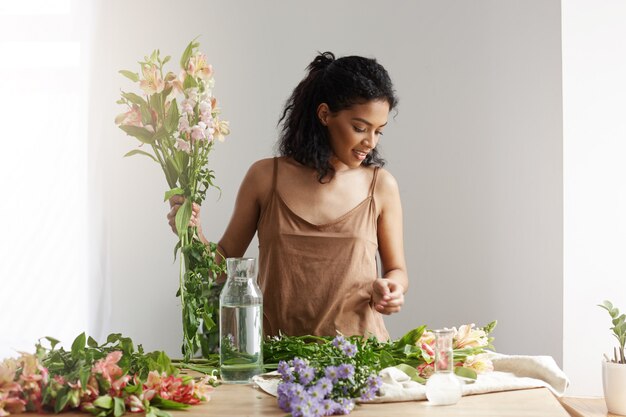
[(619, 330)]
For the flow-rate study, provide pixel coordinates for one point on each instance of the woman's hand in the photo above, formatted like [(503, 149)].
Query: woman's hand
[(387, 296), (175, 203)]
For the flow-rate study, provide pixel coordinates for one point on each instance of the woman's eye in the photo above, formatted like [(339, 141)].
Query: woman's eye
[(358, 130), (379, 133)]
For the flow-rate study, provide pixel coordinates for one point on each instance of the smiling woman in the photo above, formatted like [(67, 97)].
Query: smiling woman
[(325, 208)]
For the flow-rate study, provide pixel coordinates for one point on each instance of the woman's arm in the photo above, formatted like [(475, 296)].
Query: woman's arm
[(243, 222), (388, 294)]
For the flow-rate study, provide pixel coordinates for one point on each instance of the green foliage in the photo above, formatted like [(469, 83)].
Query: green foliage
[(76, 364), (619, 329)]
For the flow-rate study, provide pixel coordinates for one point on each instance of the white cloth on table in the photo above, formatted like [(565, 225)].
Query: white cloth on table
[(511, 372)]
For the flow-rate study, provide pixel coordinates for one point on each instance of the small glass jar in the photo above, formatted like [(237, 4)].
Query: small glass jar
[(241, 323), (443, 387)]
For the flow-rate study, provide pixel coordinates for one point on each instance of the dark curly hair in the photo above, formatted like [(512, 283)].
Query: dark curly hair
[(340, 83)]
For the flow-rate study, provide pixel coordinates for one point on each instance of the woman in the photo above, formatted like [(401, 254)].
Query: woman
[(324, 208)]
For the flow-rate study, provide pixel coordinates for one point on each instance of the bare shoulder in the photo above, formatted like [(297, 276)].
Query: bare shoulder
[(258, 179), (386, 183), (387, 191)]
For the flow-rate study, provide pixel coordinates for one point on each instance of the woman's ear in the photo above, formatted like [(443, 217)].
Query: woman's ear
[(322, 113)]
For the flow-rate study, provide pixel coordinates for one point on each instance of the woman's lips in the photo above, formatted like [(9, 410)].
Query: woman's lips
[(360, 155)]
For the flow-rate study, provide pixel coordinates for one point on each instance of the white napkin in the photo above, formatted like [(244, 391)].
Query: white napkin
[(511, 372)]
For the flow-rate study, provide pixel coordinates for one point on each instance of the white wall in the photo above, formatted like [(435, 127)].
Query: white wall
[(594, 127), (476, 149)]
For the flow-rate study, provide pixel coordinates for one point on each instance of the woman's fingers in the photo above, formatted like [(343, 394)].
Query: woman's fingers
[(175, 203)]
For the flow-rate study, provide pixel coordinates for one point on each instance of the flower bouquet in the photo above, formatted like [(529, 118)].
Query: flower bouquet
[(176, 121), (324, 376), (104, 380)]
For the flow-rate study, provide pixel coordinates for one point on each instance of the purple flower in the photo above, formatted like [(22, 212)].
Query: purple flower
[(306, 375), (344, 406), (374, 382), (325, 384), (345, 371), (367, 394), (329, 407), (349, 349), (285, 371), (299, 364), (331, 373), (316, 392), (339, 341)]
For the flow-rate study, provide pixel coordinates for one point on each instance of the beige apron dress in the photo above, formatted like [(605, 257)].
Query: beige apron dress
[(317, 279)]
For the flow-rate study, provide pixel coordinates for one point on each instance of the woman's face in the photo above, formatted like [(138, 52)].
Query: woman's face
[(354, 132)]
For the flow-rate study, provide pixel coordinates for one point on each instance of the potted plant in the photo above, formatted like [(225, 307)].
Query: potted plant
[(614, 370)]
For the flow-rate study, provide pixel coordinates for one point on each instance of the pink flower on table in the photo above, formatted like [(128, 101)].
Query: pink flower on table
[(108, 367), (199, 67), (468, 336), (171, 388), (479, 363), (11, 403), (152, 81), (425, 370), (32, 380)]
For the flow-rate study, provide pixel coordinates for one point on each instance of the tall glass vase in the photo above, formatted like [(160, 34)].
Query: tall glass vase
[(241, 323)]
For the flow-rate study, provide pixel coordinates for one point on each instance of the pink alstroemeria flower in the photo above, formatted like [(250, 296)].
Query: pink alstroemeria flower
[(480, 363), (171, 388), (468, 336), (108, 367), (152, 81), (199, 67), (131, 118)]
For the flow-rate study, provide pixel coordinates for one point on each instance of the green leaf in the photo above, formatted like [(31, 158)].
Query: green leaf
[(161, 413), (63, 397), (84, 375), (489, 327), (164, 362), (118, 407), (386, 359), (53, 341), (208, 322), (411, 372), (168, 404), (91, 342), (133, 76), (140, 133), (140, 152), (171, 122), (166, 59), (465, 372), (135, 99), (113, 337), (174, 191), (78, 346), (411, 337), (189, 82), (187, 53), (182, 218), (104, 401)]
